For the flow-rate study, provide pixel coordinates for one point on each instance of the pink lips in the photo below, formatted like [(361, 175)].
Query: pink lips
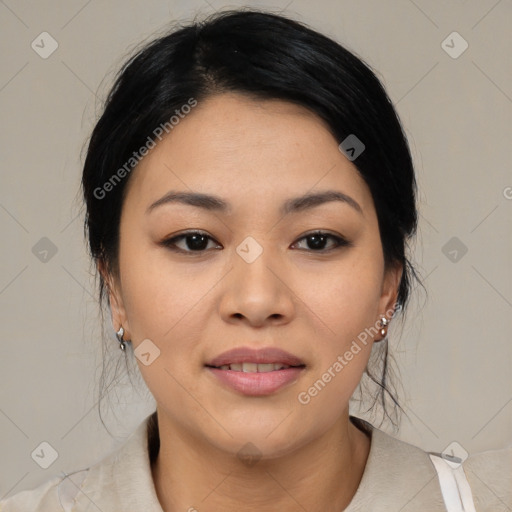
[(259, 356), (256, 383)]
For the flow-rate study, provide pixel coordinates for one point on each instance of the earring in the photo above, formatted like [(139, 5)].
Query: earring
[(383, 322), (119, 336)]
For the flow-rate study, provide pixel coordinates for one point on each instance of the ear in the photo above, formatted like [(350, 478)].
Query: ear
[(117, 309), (389, 291)]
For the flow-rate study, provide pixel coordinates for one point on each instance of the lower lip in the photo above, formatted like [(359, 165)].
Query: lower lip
[(254, 383)]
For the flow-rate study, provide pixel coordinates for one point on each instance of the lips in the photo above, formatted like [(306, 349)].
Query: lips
[(245, 358)]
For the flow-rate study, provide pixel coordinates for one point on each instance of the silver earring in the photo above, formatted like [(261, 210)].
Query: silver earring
[(383, 322), (119, 336)]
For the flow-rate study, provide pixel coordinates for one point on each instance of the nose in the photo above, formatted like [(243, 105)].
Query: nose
[(258, 292)]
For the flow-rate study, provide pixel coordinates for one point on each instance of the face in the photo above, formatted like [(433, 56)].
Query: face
[(255, 276)]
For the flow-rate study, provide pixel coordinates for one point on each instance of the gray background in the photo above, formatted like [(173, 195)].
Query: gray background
[(455, 354)]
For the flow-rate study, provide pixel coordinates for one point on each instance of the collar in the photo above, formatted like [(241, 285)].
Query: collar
[(122, 480)]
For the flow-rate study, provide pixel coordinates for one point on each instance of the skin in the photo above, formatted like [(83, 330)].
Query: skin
[(194, 306)]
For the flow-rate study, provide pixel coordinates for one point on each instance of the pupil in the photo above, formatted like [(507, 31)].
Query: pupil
[(318, 241), (199, 242)]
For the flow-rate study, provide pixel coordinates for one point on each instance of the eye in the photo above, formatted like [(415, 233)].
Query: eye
[(318, 240), (194, 241), (197, 242)]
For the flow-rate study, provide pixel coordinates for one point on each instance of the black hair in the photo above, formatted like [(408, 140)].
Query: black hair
[(264, 56)]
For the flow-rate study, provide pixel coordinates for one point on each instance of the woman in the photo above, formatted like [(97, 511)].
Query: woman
[(250, 194)]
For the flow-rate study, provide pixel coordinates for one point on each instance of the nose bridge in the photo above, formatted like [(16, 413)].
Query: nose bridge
[(256, 289), (254, 264)]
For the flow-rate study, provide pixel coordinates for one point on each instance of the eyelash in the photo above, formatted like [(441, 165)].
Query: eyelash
[(170, 243)]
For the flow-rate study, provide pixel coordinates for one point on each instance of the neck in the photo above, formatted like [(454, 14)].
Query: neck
[(322, 475)]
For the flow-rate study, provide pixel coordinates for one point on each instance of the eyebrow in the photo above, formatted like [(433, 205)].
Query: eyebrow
[(293, 205)]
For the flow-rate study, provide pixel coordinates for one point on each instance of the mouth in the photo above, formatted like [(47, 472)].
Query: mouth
[(249, 367), (247, 359), (256, 372)]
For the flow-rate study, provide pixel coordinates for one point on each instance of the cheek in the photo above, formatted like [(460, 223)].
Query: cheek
[(344, 299), (169, 303), (164, 304), (343, 306), (157, 294)]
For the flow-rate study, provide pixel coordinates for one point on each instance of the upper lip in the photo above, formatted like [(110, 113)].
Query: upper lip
[(258, 356)]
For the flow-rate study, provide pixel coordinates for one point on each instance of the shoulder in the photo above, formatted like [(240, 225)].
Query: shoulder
[(490, 475), (106, 485), (401, 476), (397, 476), (57, 494), (399, 458)]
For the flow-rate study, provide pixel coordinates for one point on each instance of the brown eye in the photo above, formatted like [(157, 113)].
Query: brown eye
[(318, 240), (197, 242), (192, 241)]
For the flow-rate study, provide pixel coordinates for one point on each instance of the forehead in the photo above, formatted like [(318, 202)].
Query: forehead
[(235, 146)]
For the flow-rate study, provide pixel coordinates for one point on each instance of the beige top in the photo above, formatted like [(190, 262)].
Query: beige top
[(398, 477)]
